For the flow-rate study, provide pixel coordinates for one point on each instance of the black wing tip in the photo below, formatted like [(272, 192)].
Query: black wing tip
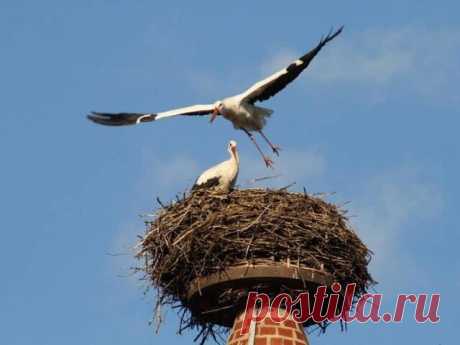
[(338, 32), (95, 116), (101, 118), (120, 119), (330, 36)]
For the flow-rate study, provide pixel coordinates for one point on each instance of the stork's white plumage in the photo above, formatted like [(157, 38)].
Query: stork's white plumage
[(222, 176), (239, 109)]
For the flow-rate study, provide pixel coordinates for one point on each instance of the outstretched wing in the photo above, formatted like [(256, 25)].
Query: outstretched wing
[(270, 86), (123, 119)]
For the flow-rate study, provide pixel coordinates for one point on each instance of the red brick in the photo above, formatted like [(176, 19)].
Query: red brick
[(269, 321), (238, 325), (290, 323), (260, 341), (238, 334), (287, 342), (300, 335), (276, 341), (300, 343), (267, 330), (285, 332)]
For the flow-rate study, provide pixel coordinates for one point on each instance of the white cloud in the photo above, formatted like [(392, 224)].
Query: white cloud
[(414, 62), (409, 61), (424, 62), (374, 57)]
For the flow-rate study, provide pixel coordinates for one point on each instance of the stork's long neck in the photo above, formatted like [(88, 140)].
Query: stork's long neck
[(234, 157)]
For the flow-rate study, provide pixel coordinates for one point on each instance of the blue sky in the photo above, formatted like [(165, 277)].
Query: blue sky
[(375, 119)]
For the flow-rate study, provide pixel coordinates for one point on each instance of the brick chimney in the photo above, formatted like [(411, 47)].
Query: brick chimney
[(267, 332)]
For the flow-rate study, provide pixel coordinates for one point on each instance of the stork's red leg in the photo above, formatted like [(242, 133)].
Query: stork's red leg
[(267, 160), (276, 149)]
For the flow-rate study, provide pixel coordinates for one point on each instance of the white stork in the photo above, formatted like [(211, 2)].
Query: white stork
[(238, 109), (222, 176)]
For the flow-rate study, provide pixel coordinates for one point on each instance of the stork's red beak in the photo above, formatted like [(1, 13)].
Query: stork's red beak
[(214, 114)]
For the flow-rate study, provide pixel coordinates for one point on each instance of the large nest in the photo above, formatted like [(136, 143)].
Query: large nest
[(207, 232)]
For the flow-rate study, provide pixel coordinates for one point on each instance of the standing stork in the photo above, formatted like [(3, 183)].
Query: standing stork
[(222, 176), (239, 109)]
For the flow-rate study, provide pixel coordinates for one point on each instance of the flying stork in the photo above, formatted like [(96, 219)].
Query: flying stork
[(222, 176), (239, 109)]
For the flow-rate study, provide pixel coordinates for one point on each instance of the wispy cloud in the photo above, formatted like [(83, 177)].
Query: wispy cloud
[(389, 205), (408, 61), (423, 62), (375, 57), (420, 62)]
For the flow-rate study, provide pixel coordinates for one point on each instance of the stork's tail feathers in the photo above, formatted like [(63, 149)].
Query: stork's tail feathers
[(120, 119), (265, 112), (268, 112)]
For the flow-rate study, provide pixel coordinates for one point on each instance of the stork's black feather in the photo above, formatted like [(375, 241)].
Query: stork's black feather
[(120, 119), (212, 182)]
